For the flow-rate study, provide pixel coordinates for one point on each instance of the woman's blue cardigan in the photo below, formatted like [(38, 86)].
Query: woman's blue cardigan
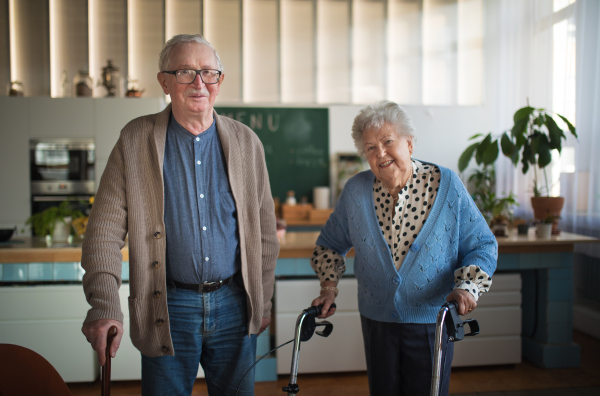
[(454, 235)]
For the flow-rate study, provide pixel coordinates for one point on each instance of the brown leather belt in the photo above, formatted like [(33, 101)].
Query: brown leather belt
[(205, 287)]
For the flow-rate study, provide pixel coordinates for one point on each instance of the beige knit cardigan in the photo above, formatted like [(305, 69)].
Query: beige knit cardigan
[(130, 200)]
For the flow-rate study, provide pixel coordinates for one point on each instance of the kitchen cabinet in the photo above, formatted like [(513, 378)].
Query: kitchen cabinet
[(47, 320), (342, 351), (61, 118), (498, 314), (14, 162)]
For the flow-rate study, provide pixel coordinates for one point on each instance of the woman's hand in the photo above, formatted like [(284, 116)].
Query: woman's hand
[(465, 301), (326, 298)]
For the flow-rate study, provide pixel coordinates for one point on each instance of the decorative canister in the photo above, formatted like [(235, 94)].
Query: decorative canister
[(82, 84), (15, 88), (111, 79)]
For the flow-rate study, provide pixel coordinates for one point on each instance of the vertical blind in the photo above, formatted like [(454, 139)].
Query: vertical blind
[(274, 51)]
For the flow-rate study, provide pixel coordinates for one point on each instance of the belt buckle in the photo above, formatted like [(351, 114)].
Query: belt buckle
[(208, 287)]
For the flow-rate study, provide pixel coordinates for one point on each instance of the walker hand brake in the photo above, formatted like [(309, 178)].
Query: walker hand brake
[(309, 324), (327, 330), (455, 325)]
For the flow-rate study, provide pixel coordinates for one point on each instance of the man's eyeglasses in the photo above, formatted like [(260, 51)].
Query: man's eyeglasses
[(184, 76)]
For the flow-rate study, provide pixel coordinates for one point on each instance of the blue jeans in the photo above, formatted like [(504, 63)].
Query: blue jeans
[(210, 329)]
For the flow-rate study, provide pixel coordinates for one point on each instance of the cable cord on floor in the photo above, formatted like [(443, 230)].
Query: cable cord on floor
[(258, 360)]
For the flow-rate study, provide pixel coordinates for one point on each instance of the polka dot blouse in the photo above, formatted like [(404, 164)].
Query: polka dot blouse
[(400, 221)]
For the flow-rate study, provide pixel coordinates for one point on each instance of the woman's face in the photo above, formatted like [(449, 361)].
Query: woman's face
[(388, 155)]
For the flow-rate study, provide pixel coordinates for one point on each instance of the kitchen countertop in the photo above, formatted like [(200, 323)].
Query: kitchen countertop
[(293, 245)]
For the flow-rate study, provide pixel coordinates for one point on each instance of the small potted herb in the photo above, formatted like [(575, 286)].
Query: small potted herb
[(544, 227)]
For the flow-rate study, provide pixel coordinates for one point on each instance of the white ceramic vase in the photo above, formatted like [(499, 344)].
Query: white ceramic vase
[(544, 231), (62, 230)]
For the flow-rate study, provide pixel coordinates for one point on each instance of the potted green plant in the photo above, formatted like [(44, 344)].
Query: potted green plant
[(54, 221), (545, 225), (531, 140), (496, 210)]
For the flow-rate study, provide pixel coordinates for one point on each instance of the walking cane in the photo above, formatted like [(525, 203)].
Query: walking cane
[(112, 332)]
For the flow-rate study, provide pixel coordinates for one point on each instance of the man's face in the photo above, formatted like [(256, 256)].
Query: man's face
[(195, 98)]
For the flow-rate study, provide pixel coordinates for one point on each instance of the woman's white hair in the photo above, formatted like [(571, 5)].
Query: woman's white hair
[(163, 58), (378, 114)]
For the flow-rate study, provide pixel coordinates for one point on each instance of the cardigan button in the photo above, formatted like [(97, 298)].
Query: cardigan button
[(155, 265), (396, 281), (415, 247), (160, 322), (156, 294), (165, 349), (157, 235)]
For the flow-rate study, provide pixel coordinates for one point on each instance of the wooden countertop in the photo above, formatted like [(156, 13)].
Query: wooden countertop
[(293, 245), (33, 250), (301, 244)]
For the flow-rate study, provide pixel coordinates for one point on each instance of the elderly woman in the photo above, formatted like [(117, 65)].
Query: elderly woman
[(419, 241)]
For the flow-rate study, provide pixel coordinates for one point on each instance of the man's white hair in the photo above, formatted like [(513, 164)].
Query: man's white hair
[(163, 58)]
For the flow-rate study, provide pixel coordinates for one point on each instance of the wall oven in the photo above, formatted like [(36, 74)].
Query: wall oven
[(61, 169)]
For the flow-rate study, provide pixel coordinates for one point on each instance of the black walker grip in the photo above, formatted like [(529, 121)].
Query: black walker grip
[(309, 324)]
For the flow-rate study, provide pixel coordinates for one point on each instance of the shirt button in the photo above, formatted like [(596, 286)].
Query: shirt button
[(205, 258), (197, 139), (156, 265), (203, 228), (156, 294), (157, 235), (201, 195), (160, 322), (165, 349), (199, 162)]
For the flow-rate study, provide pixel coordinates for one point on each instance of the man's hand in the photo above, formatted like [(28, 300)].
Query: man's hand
[(265, 323), (465, 301), (95, 332)]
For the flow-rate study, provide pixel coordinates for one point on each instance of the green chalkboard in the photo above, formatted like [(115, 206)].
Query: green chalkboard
[(296, 142)]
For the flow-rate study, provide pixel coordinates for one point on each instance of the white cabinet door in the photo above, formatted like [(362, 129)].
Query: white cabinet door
[(47, 320), (342, 351), (61, 117), (14, 162)]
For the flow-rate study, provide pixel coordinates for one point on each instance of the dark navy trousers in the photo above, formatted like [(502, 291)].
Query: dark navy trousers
[(400, 358)]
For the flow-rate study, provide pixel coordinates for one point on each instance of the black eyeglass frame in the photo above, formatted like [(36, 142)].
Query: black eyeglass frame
[(174, 72)]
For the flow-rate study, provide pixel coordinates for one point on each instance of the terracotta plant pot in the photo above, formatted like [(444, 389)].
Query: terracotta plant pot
[(543, 206)]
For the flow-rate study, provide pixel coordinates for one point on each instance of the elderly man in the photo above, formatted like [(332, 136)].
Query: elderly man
[(191, 190)]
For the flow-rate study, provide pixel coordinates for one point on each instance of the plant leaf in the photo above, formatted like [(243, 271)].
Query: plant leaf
[(465, 157), (490, 154), (518, 131), (571, 127), (506, 144), (476, 136), (555, 133), (524, 160), (482, 148), (523, 114), (539, 120), (543, 151)]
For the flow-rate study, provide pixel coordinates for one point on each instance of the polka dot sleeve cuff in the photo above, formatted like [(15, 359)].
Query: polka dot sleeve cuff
[(472, 279), (327, 264)]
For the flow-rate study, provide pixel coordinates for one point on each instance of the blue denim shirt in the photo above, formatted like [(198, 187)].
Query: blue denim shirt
[(200, 213)]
